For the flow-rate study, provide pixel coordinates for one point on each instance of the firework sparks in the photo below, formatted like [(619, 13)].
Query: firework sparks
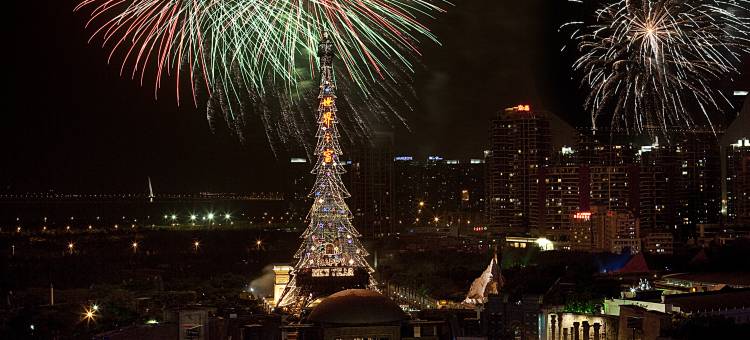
[(650, 63), (239, 50)]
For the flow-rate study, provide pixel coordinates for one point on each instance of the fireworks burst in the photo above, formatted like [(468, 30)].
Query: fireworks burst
[(239, 51), (650, 63)]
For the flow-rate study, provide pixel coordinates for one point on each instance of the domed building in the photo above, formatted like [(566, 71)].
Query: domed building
[(356, 314)]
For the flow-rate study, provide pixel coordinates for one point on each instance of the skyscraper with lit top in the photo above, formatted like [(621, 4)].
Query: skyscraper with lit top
[(520, 150)]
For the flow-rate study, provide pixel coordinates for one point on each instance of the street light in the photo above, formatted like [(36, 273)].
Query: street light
[(227, 216), (135, 246), (196, 244), (70, 247), (89, 314)]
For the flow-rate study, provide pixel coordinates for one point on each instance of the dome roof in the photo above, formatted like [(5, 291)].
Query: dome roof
[(357, 306)]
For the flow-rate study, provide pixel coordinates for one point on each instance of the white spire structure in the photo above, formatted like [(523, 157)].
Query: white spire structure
[(489, 283), (331, 257), (150, 191)]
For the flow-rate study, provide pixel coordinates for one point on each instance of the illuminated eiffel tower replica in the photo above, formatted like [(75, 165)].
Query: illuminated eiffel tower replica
[(331, 257)]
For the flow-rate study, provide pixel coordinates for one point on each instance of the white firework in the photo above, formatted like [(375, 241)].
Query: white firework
[(650, 65)]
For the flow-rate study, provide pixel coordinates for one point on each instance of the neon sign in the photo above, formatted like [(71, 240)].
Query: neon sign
[(327, 156), (327, 118), (524, 108), (328, 272), (582, 216)]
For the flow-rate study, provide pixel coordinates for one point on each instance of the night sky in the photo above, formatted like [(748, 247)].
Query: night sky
[(75, 125)]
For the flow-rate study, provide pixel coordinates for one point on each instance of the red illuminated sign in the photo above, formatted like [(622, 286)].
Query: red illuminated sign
[(582, 216)]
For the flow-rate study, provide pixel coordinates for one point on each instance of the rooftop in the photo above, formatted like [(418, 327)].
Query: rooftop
[(732, 279), (357, 307), (696, 302)]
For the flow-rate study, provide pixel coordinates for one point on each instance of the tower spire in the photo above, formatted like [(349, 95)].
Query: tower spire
[(325, 51), (331, 257)]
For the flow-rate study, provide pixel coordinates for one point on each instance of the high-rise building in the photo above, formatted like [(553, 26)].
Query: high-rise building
[(472, 187), (452, 190), (738, 182), (700, 156), (562, 198), (455, 185), (586, 152), (520, 149), (669, 187), (680, 183), (608, 174), (298, 186), (603, 149), (659, 243), (408, 190), (372, 185), (612, 186), (661, 187), (603, 230), (622, 231), (438, 186), (582, 234)]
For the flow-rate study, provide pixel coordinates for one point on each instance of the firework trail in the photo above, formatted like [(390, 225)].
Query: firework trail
[(261, 51), (649, 64)]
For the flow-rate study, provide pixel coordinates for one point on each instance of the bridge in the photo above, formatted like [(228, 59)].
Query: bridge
[(145, 197)]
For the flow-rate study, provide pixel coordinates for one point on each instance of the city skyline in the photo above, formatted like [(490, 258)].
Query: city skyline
[(93, 125)]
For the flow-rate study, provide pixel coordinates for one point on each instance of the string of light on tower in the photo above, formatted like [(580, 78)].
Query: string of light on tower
[(330, 246)]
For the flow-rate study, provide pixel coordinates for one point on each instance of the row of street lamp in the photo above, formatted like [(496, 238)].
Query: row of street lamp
[(209, 215), (134, 245), (193, 217)]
